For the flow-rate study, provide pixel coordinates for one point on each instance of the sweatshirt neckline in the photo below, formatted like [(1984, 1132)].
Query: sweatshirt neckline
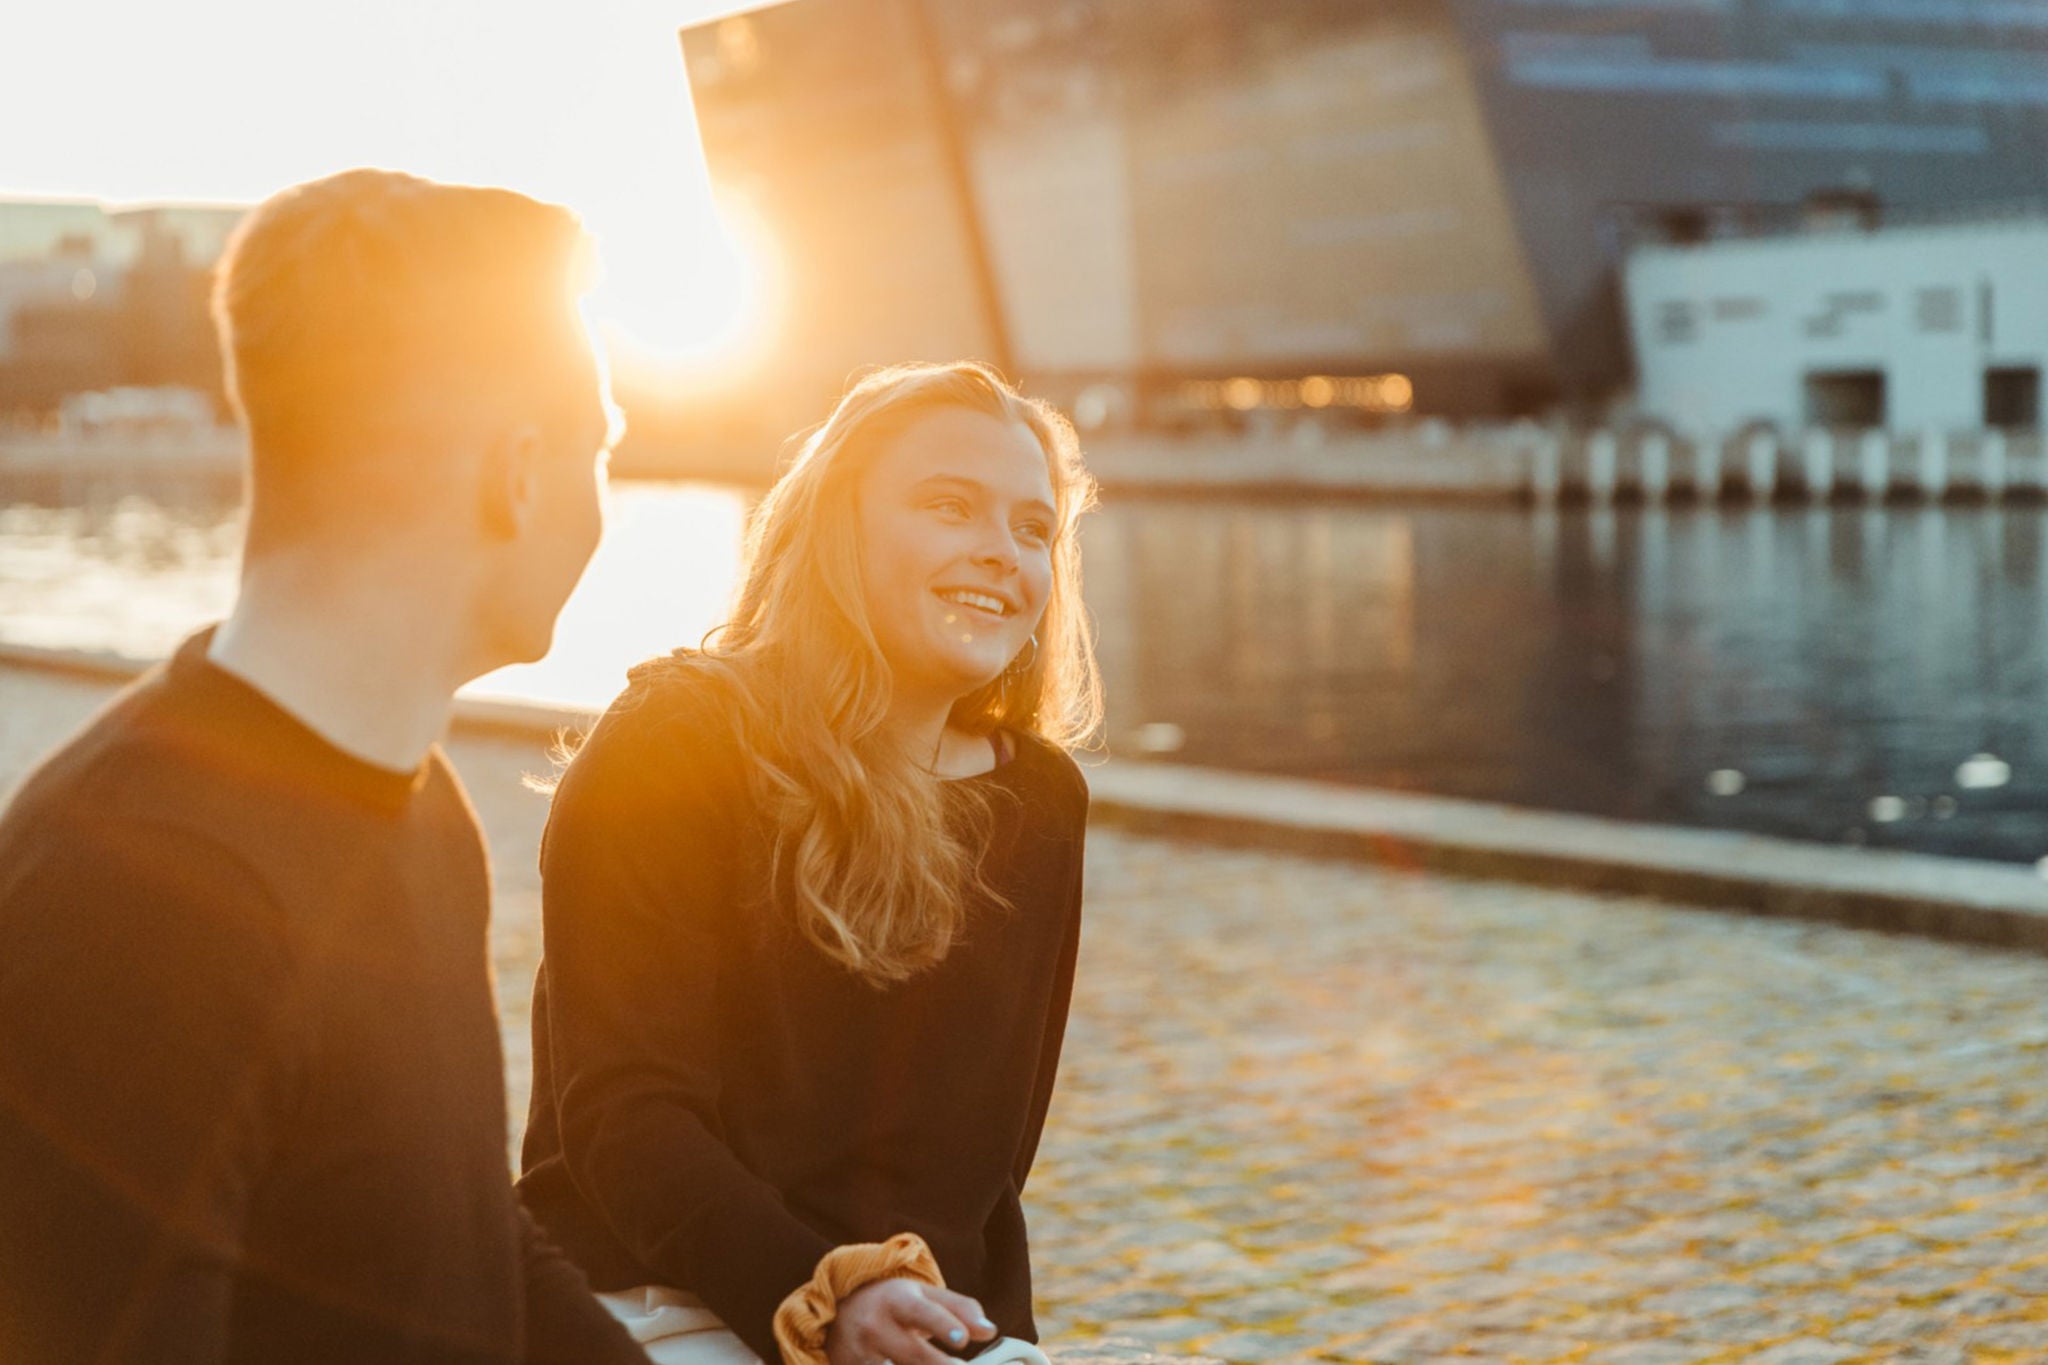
[(248, 711)]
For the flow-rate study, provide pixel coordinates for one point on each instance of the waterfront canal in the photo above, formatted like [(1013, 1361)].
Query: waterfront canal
[(1870, 675)]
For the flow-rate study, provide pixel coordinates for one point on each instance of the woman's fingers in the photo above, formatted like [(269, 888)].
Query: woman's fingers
[(911, 1348), (905, 1323), (968, 1311), (921, 1311)]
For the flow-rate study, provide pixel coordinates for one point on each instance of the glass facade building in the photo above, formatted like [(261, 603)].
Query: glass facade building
[(1148, 193)]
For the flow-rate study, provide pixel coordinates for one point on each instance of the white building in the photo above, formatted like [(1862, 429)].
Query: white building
[(1937, 326), (135, 411)]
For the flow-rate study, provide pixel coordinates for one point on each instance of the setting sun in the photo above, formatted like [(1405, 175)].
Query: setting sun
[(592, 110), (681, 292)]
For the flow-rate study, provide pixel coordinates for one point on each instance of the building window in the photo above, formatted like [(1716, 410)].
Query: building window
[(1676, 323), (2012, 396), (1845, 398), (1855, 301), (1938, 310)]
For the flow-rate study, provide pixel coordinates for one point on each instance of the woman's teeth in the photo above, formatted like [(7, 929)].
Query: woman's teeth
[(994, 606)]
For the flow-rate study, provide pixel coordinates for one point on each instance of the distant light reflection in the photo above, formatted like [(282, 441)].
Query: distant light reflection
[(1981, 772), (1726, 782), (1159, 737)]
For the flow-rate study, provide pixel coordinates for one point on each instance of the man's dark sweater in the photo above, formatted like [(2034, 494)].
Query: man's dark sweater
[(716, 1104), (251, 1094)]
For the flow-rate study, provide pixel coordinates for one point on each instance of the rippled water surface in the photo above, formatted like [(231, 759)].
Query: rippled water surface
[(1852, 674)]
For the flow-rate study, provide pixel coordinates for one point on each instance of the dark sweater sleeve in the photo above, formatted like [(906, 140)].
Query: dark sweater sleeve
[(565, 1324), (1056, 1011), (635, 871), (148, 1051)]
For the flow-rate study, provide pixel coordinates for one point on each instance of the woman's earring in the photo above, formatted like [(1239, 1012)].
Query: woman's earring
[(1016, 669), (1024, 661)]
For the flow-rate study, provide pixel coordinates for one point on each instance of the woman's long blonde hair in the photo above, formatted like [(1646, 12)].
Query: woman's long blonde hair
[(879, 875)]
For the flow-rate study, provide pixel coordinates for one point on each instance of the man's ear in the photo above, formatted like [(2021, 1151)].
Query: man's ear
[(511, 480)]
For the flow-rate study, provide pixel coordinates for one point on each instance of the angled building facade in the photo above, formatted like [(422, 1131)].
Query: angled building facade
[(1140, 195)]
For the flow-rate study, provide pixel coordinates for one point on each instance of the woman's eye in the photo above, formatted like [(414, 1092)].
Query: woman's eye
[(952, 507), (1035, 531)]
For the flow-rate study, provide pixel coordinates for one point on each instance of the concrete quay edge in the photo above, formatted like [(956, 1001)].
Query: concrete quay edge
[(1958, 899)]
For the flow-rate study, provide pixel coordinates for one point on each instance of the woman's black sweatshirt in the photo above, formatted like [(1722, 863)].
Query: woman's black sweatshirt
[(716, 1103)]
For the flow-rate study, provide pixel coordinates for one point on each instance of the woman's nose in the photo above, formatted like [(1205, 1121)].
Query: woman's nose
[(998, 550)]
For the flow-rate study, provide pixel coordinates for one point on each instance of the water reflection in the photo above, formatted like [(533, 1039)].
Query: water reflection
[(104, 570), (110, 570), (1782, 671), (1848, 674)]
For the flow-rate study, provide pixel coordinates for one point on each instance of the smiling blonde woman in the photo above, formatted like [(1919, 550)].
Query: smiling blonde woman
[(812, 903)]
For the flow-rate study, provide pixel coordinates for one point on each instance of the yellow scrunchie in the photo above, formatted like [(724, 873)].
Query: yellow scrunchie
[(805, 1316)]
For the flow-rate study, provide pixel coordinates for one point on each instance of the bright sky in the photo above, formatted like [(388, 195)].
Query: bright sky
[(228, 100)]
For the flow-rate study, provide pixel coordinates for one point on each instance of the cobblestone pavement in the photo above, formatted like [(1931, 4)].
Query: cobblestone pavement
[(1316, 1111)]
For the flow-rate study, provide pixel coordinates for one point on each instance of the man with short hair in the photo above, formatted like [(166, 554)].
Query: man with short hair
[(251, 1092)]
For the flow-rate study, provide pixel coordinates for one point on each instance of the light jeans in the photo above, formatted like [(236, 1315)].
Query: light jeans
[(675, 1328)]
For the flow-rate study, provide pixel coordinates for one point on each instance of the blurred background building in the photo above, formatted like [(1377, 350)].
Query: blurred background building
[(1939, 325), (93, 298), (1134, 204)]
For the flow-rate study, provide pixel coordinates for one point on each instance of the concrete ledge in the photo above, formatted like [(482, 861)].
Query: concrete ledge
[(93, 665), (1966, 900), (473, 715)]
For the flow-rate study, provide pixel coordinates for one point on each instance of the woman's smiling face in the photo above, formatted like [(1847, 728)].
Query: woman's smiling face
[(956, 522)]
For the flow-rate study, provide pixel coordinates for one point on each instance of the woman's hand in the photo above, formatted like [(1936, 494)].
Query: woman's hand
[(898, 1320)]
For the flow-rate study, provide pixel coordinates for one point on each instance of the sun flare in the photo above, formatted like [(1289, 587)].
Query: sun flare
[(687, 293), (594, 113)]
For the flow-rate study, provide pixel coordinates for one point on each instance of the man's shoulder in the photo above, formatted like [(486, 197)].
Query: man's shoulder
[(124, 901), (135, 797), (106, 764)]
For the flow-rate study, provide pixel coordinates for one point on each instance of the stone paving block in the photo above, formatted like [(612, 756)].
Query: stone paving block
[(1594, 1292), (1506, 1316), (2028, 1281), (1623, 1326), (1256, 1348), (1312, 1261), (1921, 1281), (1700, 1299), (1118, 1351), (1168, 1332), (1354, 1319), (1122, 1304), (2026, 1340), (1985, 1302), (1383, 1277), (1264, 1306), (1795, 1275), (1874, 1252), (1397, 1346), (1958, 1227), (1994, 1252), (1892, 1328), (1940, 1354), (1651, 1353), (1193, 1257), (1806, 1352), (1743, 1327)]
